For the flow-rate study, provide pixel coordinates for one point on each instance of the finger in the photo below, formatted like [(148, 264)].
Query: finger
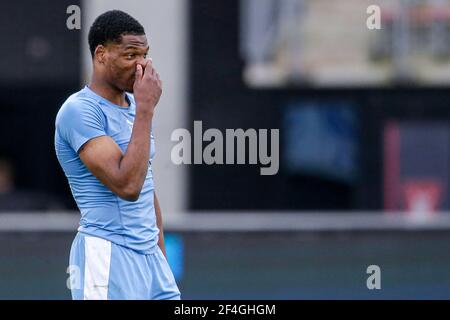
[(147, 63), (143, 64), (148, 68), (158, 78), (139, 71), (148, 74)]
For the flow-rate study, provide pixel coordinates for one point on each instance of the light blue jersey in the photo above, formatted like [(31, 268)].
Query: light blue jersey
[(84, 116), (102, 270)]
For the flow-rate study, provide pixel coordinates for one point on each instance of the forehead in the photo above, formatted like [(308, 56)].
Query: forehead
[(133, 42)]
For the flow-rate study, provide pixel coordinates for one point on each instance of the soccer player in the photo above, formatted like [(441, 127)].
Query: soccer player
[(104, 144)]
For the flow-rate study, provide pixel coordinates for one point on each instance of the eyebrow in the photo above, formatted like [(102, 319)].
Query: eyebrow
[(130, 46)]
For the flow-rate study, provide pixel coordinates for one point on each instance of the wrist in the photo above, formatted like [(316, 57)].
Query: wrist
[(144, 113)]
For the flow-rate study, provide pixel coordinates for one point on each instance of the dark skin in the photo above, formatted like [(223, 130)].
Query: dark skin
[(121, 67), (115, 67)]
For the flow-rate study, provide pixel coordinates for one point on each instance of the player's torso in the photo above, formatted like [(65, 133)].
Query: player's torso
[(119, 126), (102, 212)]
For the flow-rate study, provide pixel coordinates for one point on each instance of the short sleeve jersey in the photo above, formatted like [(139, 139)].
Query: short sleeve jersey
[(85, 116)]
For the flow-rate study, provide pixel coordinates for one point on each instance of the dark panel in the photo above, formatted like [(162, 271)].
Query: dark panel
[(220, 99), (27, 117), (36, 44)]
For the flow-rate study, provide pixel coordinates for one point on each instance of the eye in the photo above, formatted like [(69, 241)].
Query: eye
[(131, 56)]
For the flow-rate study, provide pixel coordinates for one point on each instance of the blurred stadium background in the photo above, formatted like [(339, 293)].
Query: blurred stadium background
[(364, 145)]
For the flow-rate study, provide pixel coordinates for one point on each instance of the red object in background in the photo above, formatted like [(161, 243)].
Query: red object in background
[(391, 166), (422, 195)]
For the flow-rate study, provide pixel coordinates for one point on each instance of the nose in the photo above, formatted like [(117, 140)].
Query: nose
[(141, 60)]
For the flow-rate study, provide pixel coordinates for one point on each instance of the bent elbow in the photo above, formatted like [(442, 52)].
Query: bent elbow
[(130, 194), (130, 197)]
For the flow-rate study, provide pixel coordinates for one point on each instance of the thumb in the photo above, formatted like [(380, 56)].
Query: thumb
[(138, 75)]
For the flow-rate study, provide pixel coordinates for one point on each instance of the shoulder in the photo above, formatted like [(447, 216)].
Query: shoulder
[(78, 106)]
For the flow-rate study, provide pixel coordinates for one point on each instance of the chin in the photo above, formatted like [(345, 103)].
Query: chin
[(129, 87)]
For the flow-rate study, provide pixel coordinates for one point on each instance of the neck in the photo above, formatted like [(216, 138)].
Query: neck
[(105, 90)]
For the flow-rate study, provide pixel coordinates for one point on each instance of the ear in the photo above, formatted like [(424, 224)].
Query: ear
[(100, 53)]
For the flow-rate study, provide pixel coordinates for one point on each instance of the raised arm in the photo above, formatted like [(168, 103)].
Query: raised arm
[(124, 174)]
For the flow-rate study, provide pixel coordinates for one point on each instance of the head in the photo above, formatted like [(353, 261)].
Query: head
[(117, 43)]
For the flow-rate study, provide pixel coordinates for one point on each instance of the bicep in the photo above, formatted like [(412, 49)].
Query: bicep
[(102, 157)]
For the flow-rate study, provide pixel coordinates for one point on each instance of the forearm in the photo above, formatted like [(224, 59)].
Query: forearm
[(133, 165), (159, 223), (124, 174)]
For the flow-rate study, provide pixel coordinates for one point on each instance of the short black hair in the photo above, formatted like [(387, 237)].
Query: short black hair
[(110, 27)]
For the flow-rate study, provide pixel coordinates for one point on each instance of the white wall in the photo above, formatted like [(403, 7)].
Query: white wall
[(165, 23)]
